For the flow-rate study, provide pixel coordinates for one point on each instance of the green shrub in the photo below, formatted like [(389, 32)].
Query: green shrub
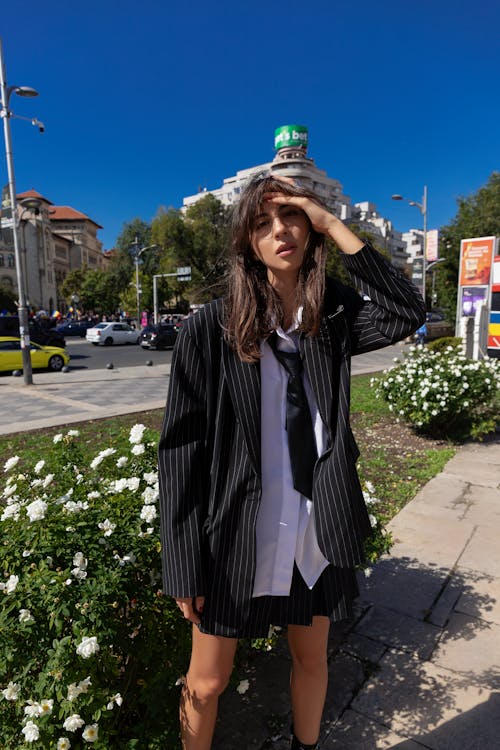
[(442, 393), (442, 344), (90, 651)]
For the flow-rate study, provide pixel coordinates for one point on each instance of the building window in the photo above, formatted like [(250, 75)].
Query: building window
[(10, 261), (2, 260)]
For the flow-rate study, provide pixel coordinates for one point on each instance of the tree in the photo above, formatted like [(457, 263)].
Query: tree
[(98, 292), (73, 283), (478, 216), (121, 267), (7, 299)]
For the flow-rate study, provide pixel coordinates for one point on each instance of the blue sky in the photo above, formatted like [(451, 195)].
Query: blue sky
[(144, 102)]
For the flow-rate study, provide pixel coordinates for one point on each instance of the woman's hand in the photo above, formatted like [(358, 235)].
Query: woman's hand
[(320, 218), (191, 607), (322, 221)]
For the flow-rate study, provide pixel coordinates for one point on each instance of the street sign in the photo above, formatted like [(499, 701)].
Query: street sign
[(184, 273)]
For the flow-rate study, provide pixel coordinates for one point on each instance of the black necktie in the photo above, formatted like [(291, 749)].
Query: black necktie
[(299, 426)]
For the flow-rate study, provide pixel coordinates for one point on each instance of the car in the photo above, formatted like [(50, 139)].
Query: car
[(39, 332), (74, 328), (437, 326), (112, 333), (162, 336), (42, 357)]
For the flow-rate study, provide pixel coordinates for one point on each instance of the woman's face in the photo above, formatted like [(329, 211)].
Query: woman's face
[(279, 239)]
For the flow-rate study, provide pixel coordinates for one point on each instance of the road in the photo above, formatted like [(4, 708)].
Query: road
[(85, 356)]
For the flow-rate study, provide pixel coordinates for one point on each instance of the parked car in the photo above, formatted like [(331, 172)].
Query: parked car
[(112, 333), (162, 336), (437, 326), (42, 357), (74, 328), (39, 332)]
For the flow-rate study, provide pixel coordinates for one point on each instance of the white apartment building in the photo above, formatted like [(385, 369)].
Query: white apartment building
[(291, 160)]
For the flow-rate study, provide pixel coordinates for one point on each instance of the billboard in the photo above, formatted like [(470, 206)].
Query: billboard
[(476, 257), (289, 136)]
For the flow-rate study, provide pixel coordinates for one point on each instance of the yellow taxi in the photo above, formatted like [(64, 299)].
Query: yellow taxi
[(42, 357)]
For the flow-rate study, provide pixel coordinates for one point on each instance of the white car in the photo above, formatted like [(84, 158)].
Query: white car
[(112, 333)]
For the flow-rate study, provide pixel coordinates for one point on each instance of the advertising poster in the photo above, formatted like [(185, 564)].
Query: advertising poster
[(431, 245), (472, 298), (476, 256)]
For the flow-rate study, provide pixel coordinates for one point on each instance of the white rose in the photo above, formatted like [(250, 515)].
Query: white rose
[(11, 692), (25, 615), (107, 527), (138, 450), (11, 584), (39, 466), (10, 463), (121, 462), (87, 647), (31, 732), (148, 513), (73, 722), (136, 433), (90, 733), (63, 743), (36, 510)]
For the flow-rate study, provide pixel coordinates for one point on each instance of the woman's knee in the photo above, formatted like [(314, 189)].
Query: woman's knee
[(203, 688)]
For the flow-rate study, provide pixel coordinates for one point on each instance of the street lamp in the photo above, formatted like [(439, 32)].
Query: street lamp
[(6, 114), (423, 210), (137, 255)]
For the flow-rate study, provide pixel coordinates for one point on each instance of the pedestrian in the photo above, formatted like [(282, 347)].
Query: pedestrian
[(261, 526), (421, 334)]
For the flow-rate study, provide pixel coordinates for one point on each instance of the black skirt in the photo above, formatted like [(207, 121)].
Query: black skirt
[(331, 596)]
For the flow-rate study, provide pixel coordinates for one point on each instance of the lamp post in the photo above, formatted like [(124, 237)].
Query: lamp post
[(423, 210), (137, 255), (6, 114)]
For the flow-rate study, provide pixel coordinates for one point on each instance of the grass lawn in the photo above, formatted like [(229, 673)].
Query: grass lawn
[(395, 459)]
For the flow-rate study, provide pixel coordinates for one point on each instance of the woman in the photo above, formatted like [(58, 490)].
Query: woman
[(243, 548)]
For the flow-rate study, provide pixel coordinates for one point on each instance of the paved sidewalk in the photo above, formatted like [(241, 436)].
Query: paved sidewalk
[(78, 395), (419, 666)]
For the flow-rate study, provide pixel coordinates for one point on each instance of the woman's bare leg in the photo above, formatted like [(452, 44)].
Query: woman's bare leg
[(309, 676), (209, 671)]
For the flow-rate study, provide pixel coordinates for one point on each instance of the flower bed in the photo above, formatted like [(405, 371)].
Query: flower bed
[(90, 650), (442, 393)]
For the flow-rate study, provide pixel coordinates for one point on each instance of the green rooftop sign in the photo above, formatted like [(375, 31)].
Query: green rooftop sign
[(289, 136)]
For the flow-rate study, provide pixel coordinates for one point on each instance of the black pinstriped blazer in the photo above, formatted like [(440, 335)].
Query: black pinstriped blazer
[(209, 452)]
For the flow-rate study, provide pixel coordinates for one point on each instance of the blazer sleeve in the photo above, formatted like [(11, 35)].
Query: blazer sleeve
[(181, 470), (390, 306)]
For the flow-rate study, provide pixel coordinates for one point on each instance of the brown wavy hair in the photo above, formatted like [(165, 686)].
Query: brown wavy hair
[(252, 307)]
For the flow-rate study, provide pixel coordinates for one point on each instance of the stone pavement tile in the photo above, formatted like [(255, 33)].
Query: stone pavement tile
[(431, 705), (441, 492), (473, 470), (483, 505), (399, 631), (471, 647), (443, 606), (363, 648), (482, 551), (356, 732), (480, 595), (430, 538), (486, 452), (403, 584)]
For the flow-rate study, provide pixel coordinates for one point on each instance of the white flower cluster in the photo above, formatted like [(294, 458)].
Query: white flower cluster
[(101, 456), (432, 385)]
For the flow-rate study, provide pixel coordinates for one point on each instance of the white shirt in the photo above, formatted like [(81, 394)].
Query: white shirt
[(285, 522)]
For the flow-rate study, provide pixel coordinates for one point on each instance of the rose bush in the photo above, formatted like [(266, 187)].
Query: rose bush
[(442, 393), (90, 651)]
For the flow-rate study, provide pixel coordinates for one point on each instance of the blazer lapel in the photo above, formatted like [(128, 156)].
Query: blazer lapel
[(243, 380), (318, 355)]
